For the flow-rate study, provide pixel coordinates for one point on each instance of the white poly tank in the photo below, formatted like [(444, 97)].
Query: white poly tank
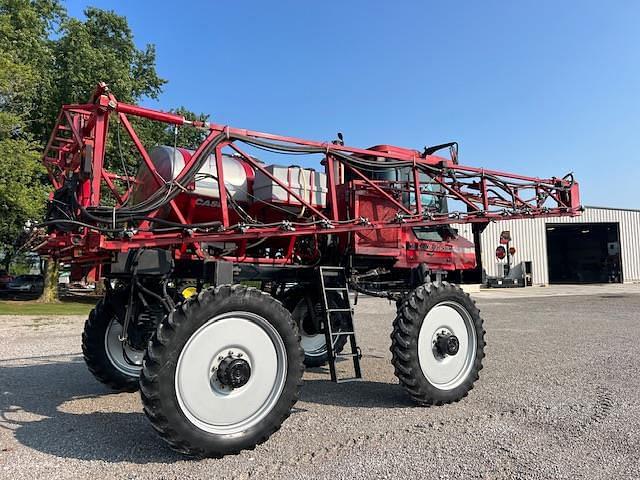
[(169, 162)]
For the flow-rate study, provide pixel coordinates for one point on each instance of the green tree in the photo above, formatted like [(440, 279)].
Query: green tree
[(101, 48), (22, 191), (48, 59)]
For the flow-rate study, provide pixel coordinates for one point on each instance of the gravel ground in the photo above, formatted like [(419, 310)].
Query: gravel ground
[(558, 398)]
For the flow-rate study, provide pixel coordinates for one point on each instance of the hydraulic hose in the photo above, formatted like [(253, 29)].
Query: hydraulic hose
[(116, 217)]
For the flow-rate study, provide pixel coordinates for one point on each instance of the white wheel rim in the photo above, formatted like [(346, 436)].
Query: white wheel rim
[(449, 371), (125, 359), (313, 344), (225, 410)]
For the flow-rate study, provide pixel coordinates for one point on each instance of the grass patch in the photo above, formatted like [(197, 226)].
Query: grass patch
[(11, 307)]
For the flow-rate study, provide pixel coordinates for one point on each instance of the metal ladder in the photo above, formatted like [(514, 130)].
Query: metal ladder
[(333, 283)]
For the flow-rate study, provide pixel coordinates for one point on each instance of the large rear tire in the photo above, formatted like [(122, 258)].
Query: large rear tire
[(113, 363), (299, 302), (437, 343), (222, 371)]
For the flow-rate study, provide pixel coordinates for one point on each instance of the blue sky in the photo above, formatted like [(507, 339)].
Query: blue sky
[(533, 87)]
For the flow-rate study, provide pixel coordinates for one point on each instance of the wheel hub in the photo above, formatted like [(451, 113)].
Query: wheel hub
[(447, 344), (123, 356), (222, 408), (234, 372)]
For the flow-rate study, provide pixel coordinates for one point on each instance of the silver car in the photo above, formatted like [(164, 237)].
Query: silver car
[(27, 284)]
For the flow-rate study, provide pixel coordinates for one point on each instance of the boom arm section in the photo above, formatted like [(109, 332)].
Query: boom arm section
[(81, 227)]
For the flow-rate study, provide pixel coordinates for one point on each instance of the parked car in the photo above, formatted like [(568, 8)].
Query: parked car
[(27, 284), (5, 279)]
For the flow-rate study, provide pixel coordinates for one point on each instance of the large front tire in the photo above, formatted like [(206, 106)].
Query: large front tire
[(222, 371), (437, 343), (112, 362)]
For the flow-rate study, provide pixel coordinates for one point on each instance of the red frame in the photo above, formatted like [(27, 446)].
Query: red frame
[(81, 130)]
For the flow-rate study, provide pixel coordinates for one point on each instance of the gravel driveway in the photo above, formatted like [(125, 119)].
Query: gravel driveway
[(559, 397)]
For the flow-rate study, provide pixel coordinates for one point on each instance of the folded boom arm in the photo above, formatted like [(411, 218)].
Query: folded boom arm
[(89, 230)]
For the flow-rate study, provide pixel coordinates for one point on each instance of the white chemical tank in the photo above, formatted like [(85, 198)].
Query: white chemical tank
[(169, 162)]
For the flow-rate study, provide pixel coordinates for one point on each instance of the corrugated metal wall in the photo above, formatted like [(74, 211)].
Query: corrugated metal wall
[(530, 240)]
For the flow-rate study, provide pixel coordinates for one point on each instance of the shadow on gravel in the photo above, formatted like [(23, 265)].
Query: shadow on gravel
[(37, 392), (33, 397), (363, 394)]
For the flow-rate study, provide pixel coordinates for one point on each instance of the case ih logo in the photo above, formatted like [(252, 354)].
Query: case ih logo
[(203, 202), (433, 246)]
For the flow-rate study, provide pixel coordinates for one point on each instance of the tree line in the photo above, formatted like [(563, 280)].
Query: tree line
[(47, 59)]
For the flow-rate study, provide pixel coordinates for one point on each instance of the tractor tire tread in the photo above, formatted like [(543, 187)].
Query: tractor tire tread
[(411, 311), (94, 351), (160, 358), (290, 301)]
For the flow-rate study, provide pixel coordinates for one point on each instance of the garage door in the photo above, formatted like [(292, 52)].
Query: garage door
[(584, 253)]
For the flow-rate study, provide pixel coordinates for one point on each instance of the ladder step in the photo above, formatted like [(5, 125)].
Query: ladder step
[(350, 379), (337, 281)]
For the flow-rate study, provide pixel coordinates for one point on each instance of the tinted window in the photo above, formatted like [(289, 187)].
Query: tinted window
[(434, 234)]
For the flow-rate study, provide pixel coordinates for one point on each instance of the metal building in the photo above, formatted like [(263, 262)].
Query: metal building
[(600, 246)]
